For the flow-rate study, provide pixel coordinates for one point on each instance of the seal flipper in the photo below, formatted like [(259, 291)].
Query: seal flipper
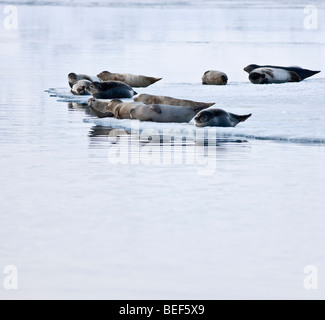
[(100, 114), (294, 77), (199, 108), (269, 72), (117, 112), (155, 108)]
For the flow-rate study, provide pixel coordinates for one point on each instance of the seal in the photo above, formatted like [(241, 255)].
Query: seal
[(143, 112), (300, 72), (218, 118), (110, 90), (100, 108), (272, 75), (79, 88), (164, 113), (73, 78), (136, 81), (151, 99), (213, 77)]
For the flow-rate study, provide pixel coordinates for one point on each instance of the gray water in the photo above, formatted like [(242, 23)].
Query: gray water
[(84, 215)]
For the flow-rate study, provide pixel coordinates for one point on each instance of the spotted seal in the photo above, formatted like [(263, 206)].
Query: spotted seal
[(152, 99), (213, 77), (277, 74), (132, 80)]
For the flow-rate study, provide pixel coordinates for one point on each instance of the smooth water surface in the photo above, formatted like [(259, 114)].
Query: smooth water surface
[(88, 211)]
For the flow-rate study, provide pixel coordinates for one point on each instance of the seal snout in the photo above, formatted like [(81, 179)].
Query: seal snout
[(91, 101), (224, 80), (201, 117), (88, 87)]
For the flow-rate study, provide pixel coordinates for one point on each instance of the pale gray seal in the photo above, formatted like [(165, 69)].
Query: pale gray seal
[(110, 90), (277, 74), (73, 78), (151, 99), (164, 113), (218, 118), (79, 88), (213, 77), (132, 80)]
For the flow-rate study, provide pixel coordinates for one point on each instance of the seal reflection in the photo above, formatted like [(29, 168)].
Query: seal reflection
[(150, 147)]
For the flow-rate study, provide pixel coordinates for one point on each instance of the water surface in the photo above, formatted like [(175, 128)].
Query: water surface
[(84, 215)]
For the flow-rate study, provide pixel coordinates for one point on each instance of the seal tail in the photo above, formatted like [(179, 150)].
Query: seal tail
[(244, 117), (154, 80), (305, 73)]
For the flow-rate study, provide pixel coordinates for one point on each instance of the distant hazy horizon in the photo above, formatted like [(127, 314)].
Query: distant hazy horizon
[(179, 3)]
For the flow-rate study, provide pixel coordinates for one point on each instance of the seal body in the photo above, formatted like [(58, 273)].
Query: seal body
[(218, 118), (110, 90), (79, 88), (132, 80), (164, 113), (273, 75), (100, 108), (151, 99), (300, 72), (74, 77), (213, 77)]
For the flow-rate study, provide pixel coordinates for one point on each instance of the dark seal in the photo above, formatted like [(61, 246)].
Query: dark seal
[(218, 118), (110, 90), (296, 72)]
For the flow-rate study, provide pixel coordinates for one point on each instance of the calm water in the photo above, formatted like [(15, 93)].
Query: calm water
[(84, 215)]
